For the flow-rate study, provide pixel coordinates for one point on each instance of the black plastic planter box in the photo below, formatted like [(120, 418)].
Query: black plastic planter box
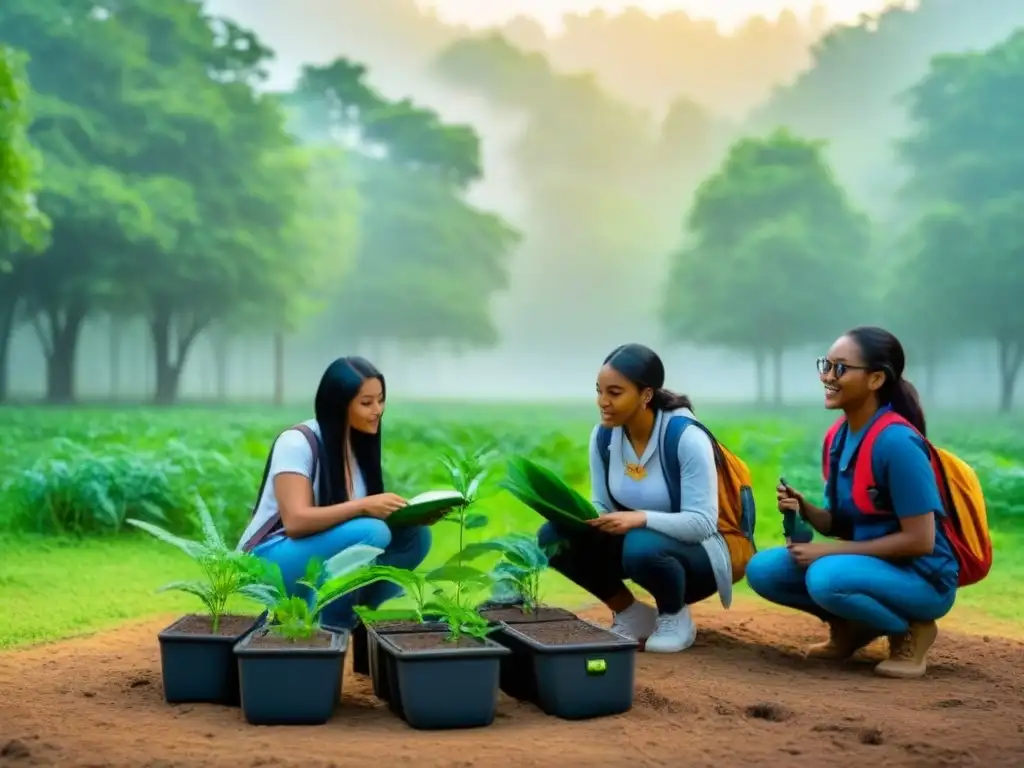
[(439, 687), (199, 667), (290, 685), (378, 669), (575, 680), (357, 648)]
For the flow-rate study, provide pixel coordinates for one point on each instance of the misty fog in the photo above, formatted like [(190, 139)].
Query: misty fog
[(577, 288)]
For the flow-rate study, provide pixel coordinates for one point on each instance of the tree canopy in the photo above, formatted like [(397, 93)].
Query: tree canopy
[(966, 260), (773, 242)]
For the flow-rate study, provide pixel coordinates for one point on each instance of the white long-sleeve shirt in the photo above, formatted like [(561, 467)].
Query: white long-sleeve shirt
[(697, 523)]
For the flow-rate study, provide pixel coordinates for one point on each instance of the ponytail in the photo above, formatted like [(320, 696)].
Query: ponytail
[(667, 400), (905, 401)]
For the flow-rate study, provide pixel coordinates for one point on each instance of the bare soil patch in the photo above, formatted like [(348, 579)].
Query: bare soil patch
[(741, 696)]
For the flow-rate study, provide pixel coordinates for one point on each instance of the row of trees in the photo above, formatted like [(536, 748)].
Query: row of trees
[(171, 186), (777, 255)]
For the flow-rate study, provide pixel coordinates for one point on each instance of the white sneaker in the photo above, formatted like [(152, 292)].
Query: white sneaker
[(673, 632), (636, 622)]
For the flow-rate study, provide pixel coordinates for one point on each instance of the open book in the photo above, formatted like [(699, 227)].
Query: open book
[(425, 506)]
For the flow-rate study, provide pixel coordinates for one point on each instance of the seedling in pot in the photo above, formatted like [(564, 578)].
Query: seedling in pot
[(196, 650), (291, 671), (467, 472), (517, 578), (296, 618), (227, 571)]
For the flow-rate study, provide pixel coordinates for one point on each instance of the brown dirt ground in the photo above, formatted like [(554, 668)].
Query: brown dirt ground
[(742, 696)]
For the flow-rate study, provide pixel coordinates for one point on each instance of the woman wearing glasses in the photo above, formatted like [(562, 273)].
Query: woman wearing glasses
[(892, 572)]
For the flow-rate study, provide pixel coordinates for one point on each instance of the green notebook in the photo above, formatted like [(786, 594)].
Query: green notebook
[(425, 506)]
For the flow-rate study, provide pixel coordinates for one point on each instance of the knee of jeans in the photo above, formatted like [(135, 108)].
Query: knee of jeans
[(639, 547), (827, 578), (368, 531), (764, 571)]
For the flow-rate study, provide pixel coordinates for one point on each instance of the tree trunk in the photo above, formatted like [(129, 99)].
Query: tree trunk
[(279, 369), (171, 346), (777, 355), (114, 352), (7, 315), (221, 346), (1011, 354), (59, 331), (760, 371)]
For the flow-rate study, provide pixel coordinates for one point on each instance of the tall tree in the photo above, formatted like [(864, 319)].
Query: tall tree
[(99, 210), (23, 227), (775, 257), (968, 182), (850, 93), (428, 261)]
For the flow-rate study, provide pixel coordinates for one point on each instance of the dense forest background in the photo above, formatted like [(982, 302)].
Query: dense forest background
[(212, 200)]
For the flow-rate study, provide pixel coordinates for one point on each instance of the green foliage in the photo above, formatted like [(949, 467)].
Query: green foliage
[(519, 569), (543, 491), (228, 571), (772, 240), (298, 618), (428, 262), (964, 256), (21, 223)]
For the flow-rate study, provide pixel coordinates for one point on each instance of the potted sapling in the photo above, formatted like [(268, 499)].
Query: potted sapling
[(569, 667), (466, 473), (447, 677), (517, 580), (196, 659), (290, 670)]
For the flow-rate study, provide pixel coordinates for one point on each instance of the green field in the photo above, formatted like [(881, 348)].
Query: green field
[(72, 476)]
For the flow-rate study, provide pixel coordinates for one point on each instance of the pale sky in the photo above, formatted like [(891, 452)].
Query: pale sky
[(727, 12)]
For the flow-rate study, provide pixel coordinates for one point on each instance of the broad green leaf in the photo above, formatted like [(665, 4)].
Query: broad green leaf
[(351, 558)]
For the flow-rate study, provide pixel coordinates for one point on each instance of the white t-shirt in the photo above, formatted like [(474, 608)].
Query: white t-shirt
[(292, 454)]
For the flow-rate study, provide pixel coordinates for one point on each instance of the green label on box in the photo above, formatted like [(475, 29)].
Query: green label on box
[(596, 666)]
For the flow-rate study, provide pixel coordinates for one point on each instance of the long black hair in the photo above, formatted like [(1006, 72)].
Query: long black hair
[(338, 388), (642, 366), (883, 352)]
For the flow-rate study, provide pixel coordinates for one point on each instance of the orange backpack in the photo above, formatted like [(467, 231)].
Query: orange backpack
[(966, 520)]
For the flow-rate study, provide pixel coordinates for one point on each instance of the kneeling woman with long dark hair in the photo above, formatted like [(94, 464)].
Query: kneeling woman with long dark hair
[(678, 555), (324, 490)]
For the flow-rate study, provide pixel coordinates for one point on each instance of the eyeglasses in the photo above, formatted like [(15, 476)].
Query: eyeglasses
[(826, 366)]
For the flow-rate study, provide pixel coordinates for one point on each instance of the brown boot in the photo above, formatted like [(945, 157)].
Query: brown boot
[(844, 639), (908, 653)]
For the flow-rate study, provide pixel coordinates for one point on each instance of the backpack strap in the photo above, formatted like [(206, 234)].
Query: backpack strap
[(270, 525), (866, 494), (669, 455), (604, 445)]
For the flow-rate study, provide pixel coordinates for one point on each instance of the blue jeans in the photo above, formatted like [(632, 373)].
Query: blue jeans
[(403, 548), (674, 572), (868, 590)]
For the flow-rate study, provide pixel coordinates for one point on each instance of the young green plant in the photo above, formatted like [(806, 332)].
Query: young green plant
[(428, 601), (467, 472), (298, 618), (227, 571), (519, 570)]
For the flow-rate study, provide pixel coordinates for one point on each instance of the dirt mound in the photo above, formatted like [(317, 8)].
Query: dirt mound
[(740, 697)]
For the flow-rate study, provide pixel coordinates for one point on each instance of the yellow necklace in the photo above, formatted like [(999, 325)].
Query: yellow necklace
[(635, 471)]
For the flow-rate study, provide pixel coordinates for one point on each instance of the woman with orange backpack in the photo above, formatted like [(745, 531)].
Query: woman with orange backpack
[(655, 475), (906, 542)]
